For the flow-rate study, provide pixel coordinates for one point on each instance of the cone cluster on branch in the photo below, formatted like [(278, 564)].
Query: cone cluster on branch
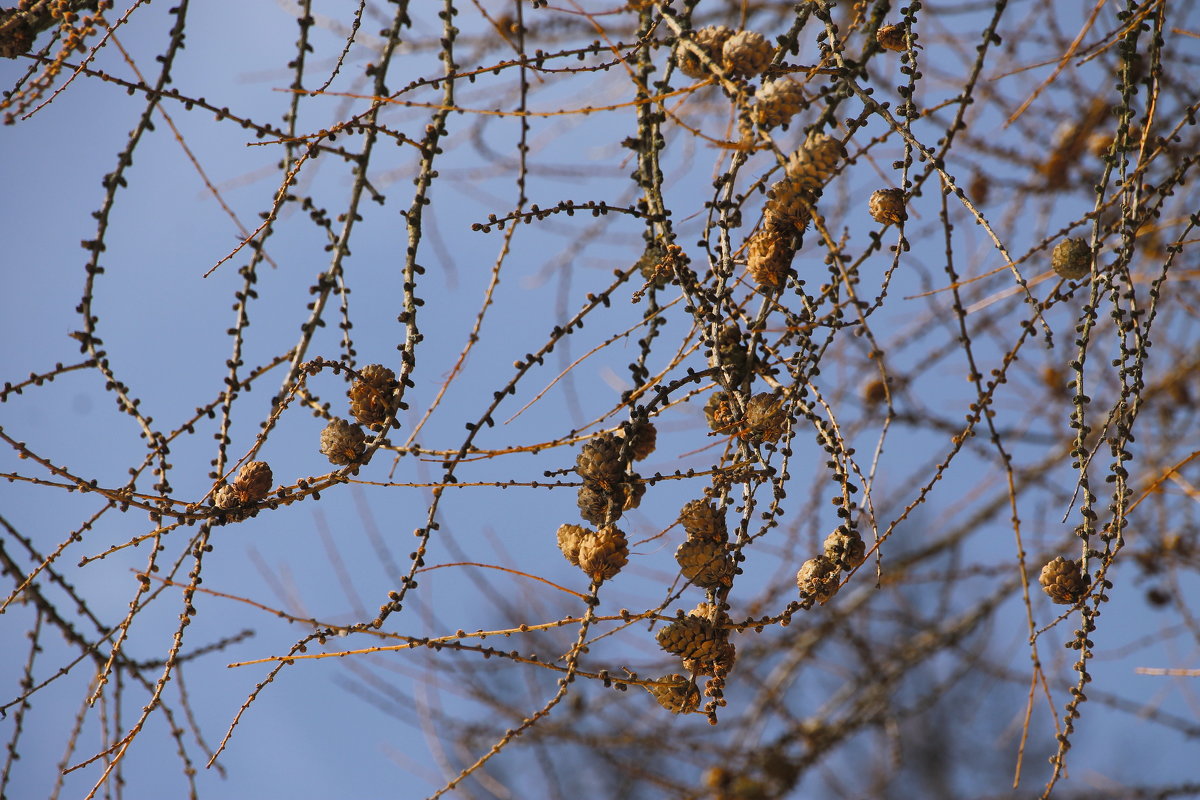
[(599, 553), (764, 419), (609, 488), (704, 559), (374, 400), (744, 54), (711, 40), (789, 209), (818, 578), (253, 483)]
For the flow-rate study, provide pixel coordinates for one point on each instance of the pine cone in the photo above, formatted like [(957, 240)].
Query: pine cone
[(887, 206), (705, 563), (373, 399), (788, 211), (719, 412), (691, 637), (602, 554), (777, 101), (1064, 581), (342, 442), (746, 54), (813, 165), (769, 251), (765, 418), (845, 549), (570, 537), (253, 482), (817, 579), (599, 462), (722, 661), (710, 39), (891, 37), (597, 506), (1071, 259), (642, 436), (225, 497), (676, 693), (703, 521)]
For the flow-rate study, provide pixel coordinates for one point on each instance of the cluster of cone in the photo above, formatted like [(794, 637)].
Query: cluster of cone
[(374, 400), (252, 484), (790, 205), (609, 489), (700, 638), (818, 578)]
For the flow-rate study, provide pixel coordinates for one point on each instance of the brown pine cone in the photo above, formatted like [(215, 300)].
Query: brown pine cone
[(342, 442), (599, 462), (845, 549), (777, 101), (711, 40), (812, 166), (691, 637), (705, 563), (225, 497), (602, 554), (676, 693), (887, 206), (373, 399), (642, 436), (570, 537), (788, 211), (703, 521), (1071, 259), (253, 482), (598, 507), (722, 661), (1064, 581), (891, 37), (769, 251), (746, 54), (817, 579), (764, 419)]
